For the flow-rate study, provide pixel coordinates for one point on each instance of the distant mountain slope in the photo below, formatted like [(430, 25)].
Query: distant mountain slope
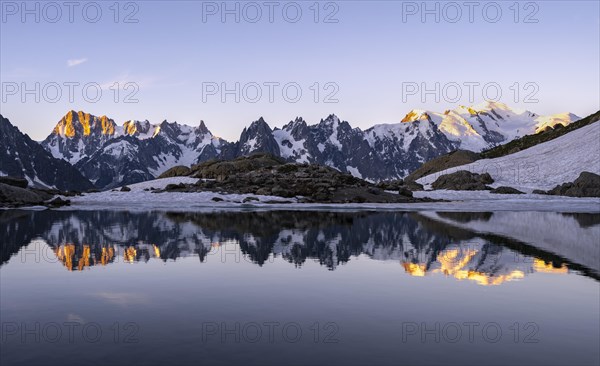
[(548, 133), (22, 157), (542, 166), (488, 124)]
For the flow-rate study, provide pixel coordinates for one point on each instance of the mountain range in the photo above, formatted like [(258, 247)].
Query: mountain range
[(109, 155)]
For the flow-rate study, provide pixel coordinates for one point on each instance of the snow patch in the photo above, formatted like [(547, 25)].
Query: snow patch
[(354, 171), (141, 196)]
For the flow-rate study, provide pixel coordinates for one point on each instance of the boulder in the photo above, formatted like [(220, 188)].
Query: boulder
[(403, 191), (16, 196), (586, 185), (175, 187), (463, 180), (58, 202), (125, 189), (390, 185), (263, 191), (399, 185), (412, 186), (506, 190)]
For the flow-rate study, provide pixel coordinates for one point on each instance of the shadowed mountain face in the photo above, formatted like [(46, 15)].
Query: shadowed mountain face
[(22, 157), (422, 245)]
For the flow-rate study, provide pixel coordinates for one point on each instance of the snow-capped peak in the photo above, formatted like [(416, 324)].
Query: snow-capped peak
[(78, 124), (487, 124), (140, 129), (415, 115), (332, 119), (497, 106)]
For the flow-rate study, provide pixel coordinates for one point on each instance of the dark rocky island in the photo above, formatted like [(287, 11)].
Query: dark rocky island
[(265, 174)]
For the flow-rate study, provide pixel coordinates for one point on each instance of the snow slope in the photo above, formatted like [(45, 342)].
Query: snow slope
[(542, 166)]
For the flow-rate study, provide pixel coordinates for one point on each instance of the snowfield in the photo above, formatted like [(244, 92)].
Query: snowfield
[(543, 166), (140, 199), (140, 196)]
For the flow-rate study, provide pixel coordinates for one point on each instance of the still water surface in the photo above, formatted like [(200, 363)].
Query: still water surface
[(326, 288)]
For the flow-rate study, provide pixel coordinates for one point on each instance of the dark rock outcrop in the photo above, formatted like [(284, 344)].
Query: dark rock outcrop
[(15, 182), (221, 169), (506, 190), (403, 187), (586, 185), (463, 180), (58, 202), (12, 196)]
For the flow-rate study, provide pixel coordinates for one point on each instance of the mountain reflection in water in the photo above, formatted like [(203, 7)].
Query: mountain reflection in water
[(424, 244)]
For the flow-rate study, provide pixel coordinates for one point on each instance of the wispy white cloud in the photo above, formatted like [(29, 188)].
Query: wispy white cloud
[(75, 318), (122, 298), (75, 62)]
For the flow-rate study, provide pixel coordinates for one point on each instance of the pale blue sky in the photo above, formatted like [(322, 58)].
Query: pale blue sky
[(369, 53)]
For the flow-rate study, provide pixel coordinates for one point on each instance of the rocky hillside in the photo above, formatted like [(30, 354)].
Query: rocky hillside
[(22, 157)]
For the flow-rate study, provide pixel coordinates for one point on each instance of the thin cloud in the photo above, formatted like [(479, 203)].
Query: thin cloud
[(122, 298), (75, 62)]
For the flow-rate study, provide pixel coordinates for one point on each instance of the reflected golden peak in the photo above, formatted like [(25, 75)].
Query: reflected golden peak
[(414, 269), (67, 254), (130, 254), (541, 266)]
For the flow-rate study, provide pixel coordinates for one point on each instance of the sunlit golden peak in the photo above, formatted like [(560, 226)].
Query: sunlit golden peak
[(415, 115)]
